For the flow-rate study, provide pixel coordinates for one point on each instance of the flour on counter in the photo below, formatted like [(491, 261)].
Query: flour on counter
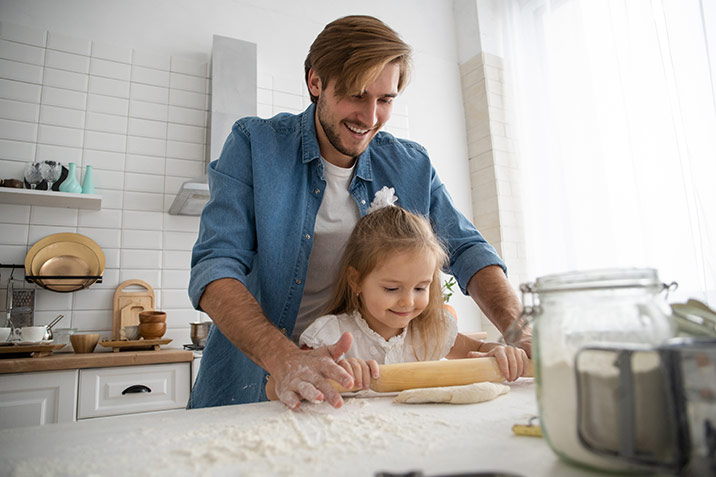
[(287, 444)]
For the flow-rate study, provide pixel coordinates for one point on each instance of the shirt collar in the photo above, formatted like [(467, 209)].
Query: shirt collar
[(310, 150), (375, 337)]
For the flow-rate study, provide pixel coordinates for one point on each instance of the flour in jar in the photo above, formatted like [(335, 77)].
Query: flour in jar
[(557, 393)]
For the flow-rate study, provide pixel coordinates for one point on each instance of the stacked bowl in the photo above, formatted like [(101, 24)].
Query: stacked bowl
[(152, 324)]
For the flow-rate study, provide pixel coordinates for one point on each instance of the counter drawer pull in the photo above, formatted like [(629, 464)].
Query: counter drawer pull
[(137, 388)]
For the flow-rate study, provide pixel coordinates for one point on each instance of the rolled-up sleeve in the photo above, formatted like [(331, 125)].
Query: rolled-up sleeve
[(226, 243), (468, 249)]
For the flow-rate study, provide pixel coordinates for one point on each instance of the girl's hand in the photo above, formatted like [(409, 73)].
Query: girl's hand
[(513, 362), (361, 371)]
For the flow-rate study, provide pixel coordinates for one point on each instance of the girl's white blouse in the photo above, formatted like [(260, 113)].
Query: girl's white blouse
[(367, 344)]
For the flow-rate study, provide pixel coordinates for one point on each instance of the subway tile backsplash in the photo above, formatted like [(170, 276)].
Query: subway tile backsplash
[(127, 113)]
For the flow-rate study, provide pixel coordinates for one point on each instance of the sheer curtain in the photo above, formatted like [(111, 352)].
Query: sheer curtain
[(616, 132)]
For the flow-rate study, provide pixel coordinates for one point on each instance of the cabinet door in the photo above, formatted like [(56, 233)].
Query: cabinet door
[(33, 399), (132, 389)]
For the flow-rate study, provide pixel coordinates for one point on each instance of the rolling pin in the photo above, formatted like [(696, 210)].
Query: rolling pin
[(427, 374)]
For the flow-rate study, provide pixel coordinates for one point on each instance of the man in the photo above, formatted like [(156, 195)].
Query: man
[(286, 193)]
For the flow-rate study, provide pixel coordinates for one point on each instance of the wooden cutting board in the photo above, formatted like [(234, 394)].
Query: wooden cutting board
[(128, 303)]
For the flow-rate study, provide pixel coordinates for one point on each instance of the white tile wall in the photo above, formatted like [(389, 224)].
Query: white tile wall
[(108, 106)]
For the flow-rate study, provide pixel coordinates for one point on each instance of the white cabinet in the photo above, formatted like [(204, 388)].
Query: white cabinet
[(46, 397), (132, 389), (32, 399)]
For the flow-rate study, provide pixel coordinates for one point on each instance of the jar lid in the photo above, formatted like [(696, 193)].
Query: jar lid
[(596, 279)]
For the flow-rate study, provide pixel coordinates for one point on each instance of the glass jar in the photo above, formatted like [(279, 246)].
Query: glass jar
[(574, 310), (62, 336)]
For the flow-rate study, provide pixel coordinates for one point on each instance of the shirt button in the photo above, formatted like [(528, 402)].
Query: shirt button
[(284, 331), (317, 191), (308, 236), (298, 281), (362, 202)]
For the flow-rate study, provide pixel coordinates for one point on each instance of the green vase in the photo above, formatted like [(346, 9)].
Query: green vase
[(71, 184), (88, 181)]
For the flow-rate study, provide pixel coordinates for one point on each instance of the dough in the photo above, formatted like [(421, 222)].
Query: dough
[(467, 394)]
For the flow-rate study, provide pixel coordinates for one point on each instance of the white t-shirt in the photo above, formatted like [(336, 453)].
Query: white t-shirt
[(367, 344), (337, 216)]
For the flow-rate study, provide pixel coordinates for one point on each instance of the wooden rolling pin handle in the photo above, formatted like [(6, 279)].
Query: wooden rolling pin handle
[(430, 374), (427, 374)]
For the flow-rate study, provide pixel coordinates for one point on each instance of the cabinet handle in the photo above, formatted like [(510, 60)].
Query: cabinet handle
[(137, 388)]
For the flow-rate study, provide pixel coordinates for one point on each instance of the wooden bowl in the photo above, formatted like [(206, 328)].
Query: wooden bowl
[(152, 316), (84, 343), (150, 331)]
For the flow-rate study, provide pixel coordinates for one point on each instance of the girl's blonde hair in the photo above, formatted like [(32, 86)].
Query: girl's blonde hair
[(377, 236), (353, 50)]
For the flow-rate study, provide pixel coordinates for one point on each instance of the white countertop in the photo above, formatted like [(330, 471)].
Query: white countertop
[(367, 435)]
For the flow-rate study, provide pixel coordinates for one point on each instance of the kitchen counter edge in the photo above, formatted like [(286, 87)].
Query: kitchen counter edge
[(62, 361)]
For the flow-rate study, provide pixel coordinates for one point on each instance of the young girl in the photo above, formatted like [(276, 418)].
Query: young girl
[(388, 296)]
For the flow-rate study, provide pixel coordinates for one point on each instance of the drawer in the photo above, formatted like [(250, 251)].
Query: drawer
[(131, 389)]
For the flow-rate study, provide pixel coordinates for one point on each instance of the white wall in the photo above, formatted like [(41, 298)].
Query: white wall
[(430, 111)]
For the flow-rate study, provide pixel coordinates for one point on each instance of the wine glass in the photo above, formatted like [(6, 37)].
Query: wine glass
[(34, 173), (52, 173)]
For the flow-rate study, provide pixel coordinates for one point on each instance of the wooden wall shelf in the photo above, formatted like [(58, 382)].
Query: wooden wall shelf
[(50, 198)]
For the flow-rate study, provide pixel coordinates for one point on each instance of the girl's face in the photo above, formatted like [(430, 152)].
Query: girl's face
[(395, 292)]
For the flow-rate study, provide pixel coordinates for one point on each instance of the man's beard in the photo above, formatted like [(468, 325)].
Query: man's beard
[(332, 133)]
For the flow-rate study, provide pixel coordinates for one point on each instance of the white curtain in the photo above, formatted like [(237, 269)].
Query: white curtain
[(616, 133)]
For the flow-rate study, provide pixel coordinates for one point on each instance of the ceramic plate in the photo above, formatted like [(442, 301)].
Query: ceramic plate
[(63, 237)]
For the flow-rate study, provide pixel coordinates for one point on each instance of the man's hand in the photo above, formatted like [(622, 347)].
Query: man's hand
[(498, 301), (305, 374)]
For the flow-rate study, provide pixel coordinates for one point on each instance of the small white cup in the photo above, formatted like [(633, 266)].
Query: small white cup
[(4, 334), (132, 332), (32, 333)]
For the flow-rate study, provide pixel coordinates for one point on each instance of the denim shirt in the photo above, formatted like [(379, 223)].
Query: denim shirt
[(266, 188)]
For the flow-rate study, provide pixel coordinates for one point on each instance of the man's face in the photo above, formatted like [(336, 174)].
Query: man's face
[(346, 125)]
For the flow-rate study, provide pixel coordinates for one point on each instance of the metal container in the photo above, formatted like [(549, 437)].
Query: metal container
[(651, 406), (199, 332)]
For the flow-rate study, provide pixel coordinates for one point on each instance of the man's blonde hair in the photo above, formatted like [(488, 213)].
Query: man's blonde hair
[(352, 51)]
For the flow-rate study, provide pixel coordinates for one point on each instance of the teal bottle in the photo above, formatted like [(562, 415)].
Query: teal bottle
[(88, 181), (71, 184)]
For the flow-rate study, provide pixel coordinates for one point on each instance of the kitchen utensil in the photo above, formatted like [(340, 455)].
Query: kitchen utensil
[(61, 336), (23, 306), (38, 350), (654, 406), (33, 333), (143, 344), (69, 256), (84, 343), (580, 309), (199, 332), (131, 332), (152, 316), (52, 173), (48, 333), (34, 172), (695, 318), (136, 294), (427, 374), (150, 331)]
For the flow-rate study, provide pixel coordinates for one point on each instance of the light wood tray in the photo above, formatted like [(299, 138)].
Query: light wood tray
[(135, 345), (12, 350)]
